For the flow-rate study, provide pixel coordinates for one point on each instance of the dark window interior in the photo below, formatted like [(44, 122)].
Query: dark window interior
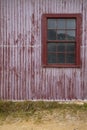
[(61, 30)]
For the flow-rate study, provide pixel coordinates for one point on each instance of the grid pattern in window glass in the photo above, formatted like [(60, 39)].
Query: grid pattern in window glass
[(61, 41)]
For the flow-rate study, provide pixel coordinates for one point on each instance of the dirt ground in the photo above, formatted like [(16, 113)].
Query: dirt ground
[(67, 118), (49, 123)]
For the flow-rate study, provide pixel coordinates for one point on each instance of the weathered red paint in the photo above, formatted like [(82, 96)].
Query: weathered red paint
[(22, 76)]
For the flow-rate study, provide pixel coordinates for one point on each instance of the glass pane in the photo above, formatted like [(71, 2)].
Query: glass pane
[(61, 58), (51, 47), (61, 35), (61, 23), (51, 34), (60, 47), (70, 35), (51, 57), (51, 23), (70, 47), (70, 58), (71, 24)]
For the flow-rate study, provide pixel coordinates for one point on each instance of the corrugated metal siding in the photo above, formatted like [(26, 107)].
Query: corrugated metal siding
[(21, 74)]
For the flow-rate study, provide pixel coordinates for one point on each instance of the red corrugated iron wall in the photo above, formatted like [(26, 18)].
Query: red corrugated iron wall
[(22, 76)]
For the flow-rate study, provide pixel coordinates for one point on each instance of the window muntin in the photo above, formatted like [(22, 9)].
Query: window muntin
[(62, 42)]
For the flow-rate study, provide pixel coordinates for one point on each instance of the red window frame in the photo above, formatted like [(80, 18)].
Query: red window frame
[(78, 18)]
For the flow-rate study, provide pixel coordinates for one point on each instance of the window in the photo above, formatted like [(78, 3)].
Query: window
[(61, 40)]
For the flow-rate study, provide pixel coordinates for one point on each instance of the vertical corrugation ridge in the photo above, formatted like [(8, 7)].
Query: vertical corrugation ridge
[(85, 50), (22, 76)]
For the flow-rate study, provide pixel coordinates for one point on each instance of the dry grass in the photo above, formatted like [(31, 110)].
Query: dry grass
[(40, 110), (29, 115)]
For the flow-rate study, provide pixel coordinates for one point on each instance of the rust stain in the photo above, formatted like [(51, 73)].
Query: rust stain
[(20, 59)]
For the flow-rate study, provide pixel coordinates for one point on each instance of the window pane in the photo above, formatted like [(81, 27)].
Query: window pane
[(61, 23), (61, 35), (60, 47), (51, 34), (51, 47), (71, 24), (70, 35), (61, 58), (70, 58), (51, 57), (70, 47), (51, 23)]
